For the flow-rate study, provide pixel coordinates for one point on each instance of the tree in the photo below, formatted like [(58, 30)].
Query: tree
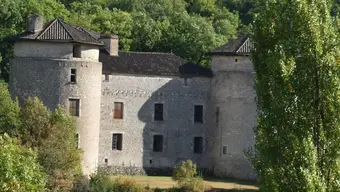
[(9, 112), (58, 153), (19, 170), (296, 59), (53, 134)]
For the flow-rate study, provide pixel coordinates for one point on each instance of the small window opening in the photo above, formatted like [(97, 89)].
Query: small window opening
[(150, 161), (106, 160), (224, 151), (236, 60), (76, 51), (118, 110), (158, 116), (77, 140), (117, 141), (198, 145), (185, 82), (158, 143), (198, 114), (107, 77), (73, 75), (74, 107), (217, 114)]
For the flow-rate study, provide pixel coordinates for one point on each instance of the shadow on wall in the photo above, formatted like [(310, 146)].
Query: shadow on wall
[(169, 132)]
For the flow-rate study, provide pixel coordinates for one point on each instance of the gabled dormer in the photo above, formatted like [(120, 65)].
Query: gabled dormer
[(233, 56), (56, 40)]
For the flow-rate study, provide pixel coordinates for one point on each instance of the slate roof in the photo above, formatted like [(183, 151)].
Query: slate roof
[(150, 63), (239, 46), (60, 31)]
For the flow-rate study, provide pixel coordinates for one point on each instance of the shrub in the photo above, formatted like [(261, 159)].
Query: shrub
[(187, 170), (81, 184), (100, 182), (19, 169), (195, 184)]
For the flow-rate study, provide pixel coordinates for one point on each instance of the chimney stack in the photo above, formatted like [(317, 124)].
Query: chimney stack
[(35, 23), (110, 44)]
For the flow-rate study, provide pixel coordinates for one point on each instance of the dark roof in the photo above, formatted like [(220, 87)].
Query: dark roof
[(150, 63), (60, 31), (239, 46)]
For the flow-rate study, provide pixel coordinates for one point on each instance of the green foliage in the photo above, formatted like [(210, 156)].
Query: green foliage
[(186, 171), (9, 112), (58, 153), (296, 59), (19, 170), (35, 126), (195, 184), (101, 182)]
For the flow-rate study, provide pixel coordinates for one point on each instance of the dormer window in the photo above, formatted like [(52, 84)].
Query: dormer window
[(73, 76), (76, 51)]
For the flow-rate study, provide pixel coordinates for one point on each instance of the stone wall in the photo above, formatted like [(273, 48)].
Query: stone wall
[(43, 50), (233, 98), (139, 94), (49, 79)]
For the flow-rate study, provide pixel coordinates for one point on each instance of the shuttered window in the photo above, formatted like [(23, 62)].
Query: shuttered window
[(117, 141), (118, 110), (74, 107)]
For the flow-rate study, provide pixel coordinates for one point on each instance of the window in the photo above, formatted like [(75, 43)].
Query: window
[(73, 75), (74, 107), (117, 141), (77, 139), (217, 115), (76, 51), (198, 114), (158, 143), (118, 111), (107, 77), (224, 151), (198, 145), (106, 160), (158, 112)]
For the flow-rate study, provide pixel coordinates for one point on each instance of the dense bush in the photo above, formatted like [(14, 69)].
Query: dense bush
[(101, 182), (19, 169), (187, 170), (187, 178)]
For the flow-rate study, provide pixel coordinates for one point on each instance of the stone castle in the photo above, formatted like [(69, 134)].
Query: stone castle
[(141, 111)]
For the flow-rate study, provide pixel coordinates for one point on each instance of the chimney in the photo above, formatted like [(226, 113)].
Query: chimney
[(110, 44), (35, 23)]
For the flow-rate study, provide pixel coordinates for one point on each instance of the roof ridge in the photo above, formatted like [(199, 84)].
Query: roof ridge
[(85, 31), (62, 23), (145, 52)]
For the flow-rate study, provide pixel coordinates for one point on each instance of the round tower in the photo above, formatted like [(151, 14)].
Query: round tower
[(59, 64), (233, 102)]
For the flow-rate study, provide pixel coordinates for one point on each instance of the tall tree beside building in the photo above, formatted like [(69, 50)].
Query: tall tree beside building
[(296, 59)]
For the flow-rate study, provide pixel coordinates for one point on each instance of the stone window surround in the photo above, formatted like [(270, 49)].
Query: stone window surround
[(122, 141), (68, 105), (122, 111), (164, 111), (193, 113)]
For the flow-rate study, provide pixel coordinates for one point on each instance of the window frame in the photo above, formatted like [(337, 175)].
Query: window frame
[(202, 114), (117, 142), (160, 141), (77, 107), (198, 149), (76, 51), (155, 112), (73, 73), (121, 116)]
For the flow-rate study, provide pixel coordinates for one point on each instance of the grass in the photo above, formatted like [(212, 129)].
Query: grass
[(166, 182)]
